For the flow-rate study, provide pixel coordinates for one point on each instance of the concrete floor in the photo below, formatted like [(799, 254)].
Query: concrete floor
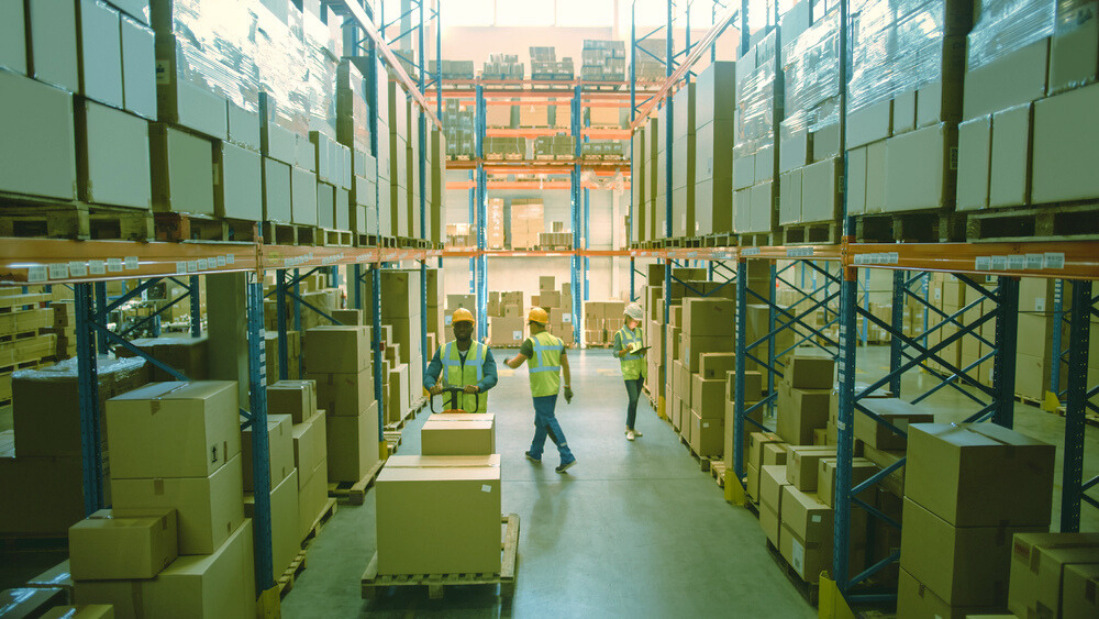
[(634, 529)]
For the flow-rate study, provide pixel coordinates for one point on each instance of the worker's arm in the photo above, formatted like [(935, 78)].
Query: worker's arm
[(431, 376), (515, 361), (488, 370), (565, 372), (526, 351), (619, 347)]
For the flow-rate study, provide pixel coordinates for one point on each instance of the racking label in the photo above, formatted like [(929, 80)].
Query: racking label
[(231, 259), (59, 271), (131, 263), (114, 265), (181, 268), (1016, 262), (983, 263), (78, 269), (1035, 261), (97, 267), (203, 264), (192, 266), (221, 261), (751, 251), (37, 275), (999, 263), (1054, 260)]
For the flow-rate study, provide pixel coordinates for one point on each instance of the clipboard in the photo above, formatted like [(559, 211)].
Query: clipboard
[(640, 351)]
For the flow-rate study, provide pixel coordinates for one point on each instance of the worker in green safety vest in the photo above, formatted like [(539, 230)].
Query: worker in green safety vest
[(465, 363), (629, 347), (546, 362)]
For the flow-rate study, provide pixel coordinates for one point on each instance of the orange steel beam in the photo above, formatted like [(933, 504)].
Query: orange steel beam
[(1066, 260)]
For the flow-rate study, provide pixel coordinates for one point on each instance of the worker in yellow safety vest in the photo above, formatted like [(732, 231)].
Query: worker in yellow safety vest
[(546, 362), (629, 347), (464, 363)]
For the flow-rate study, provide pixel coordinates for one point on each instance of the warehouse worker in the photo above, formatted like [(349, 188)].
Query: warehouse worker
[(546, 359), (629, 347), (475, 377)]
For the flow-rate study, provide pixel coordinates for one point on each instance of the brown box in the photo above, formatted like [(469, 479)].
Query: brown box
[(546, 283), (716, 366), (507, 331), (344, 395), (914, 599), (963, 566), (800, 411), (806, 538), (449, 503), (974, 475), (310, 443), (84, 611), (895, 411), (771, 481), (102, 547), (775, 454), (802, 465), (861, 470), (337, 349), (285, 522), (756, 443), (280, 449), (770, 523), (706, 316), (707, 435), (453, 434), (707, 397), (695, 346), (1038, 562), (352, 445), (209, 508), (348, 317), (312, 497), (297, 398), (173, 429), (1078, 599), (752, 489), (810, 372)]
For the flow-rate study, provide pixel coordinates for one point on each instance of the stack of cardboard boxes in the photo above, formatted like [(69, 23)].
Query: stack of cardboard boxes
[(755, 150), (714, 150), (968, 490), (284, 491), (183, 354), (494, 225), (298, 398), (64, 328), (558, 303), (447, 499), (507, 320), (602, 319), (175, 460), (340, 365), (603, 61), (684, 151), (527, 222), (1054, 575), (705, 358)]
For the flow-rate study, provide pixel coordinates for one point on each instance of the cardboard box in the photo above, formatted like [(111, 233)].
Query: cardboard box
[(1014, 78), (1010, 158), (352, 445), (100, 38), (1066, 137), (173, 429), (894, 482), (297, 398), (337, 349), (972, 475), (1078, 599), (13, 48), (38, 127), (312, 497), (707, 435), (706, 316), (102, 547), (963, 566), (90, 611), (775, 454), (122, 596), (238, 187), (800, 411), (310, 442), (220, 584), (183, 171), (454, 434), (770, 523), (756, 442), (914, 599), (870, 124), (280, 449), (344, 395), (802, 465), (753, 386), (895, 411), (707, 397), (771, 480), (285, 523), (974, 159), (716, 366), (209, 508), (113, 156), (1038, 562), (918, 173), (810, 372), (861, 470), (695, 346), (446, 503)]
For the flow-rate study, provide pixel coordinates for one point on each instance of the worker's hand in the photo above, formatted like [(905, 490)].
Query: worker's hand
[(507, 362), (568, 395), (472, 389), (436, 390)]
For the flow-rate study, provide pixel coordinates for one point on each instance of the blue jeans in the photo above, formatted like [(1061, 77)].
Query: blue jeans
[(545, 424), (633, 389)]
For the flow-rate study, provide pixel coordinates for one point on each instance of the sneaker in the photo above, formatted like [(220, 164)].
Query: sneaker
[(564, 466), (637, 434), (630, 435), (532, 458)]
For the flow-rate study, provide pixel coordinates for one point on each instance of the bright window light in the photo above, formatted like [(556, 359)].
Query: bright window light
[(524, 13), (585, 12), (468, 12)]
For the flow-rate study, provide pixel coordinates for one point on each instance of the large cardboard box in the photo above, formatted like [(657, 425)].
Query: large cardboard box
[(707, 397), (310, 442), (771, 480), (312, 497), (173, 429), (238, 187), (102, 547), (209, 508), (183, 171), (39, 141), (88, 611), (352, 445), (974, 475), (775, 454), (964, 566), (344, 394), (218, 585), (337, 349), (1066, 137), (449, 504), (861, 470), (297, 398), (753, 386), (1078, 599), (915, 599), (803, 463), (280, 450), (756, 442), (285, 523), (705, 316), (1038, 562), (806, 538), (800, 411), (707, 435), (113, 156), (695, 346), (894, 410), (717, 366), (455, 434), (810, 372)]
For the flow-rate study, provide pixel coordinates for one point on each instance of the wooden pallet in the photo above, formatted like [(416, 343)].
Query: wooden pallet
[(177, 227), (335, 238), (755, 239), (292, 573), (355, 493), (33, 218), (437, 583), (935, 226), (393, 441), (809, 591), (318, 525), (704, 462), (820, 233), (719, 240), (277, 233), (717, 471), (1075, 222)]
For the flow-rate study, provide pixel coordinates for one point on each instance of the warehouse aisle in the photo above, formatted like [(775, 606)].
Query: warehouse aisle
[(633, 530)]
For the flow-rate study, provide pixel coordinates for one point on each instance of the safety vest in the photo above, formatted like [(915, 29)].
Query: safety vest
[(545, 365), (455, 374), (633, 366)]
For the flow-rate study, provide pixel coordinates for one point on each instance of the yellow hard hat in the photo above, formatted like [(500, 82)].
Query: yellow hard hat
[(462, 315), (538, 315)]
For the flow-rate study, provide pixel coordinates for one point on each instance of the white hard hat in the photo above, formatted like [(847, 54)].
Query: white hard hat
[(634, 311)]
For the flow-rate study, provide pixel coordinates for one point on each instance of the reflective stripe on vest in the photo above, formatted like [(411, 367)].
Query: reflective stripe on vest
[(455, 374), (628, 338), (540, 347)]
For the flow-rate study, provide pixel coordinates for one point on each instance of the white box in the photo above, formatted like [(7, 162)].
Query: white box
[(742, 211), (239, 188), (53, 43), (765, 163), (114, 166), (789, 200), (877, 156), (870, 124), (13, 40), (794, 151), (762, 201), (856, 181), (916, 176), (183, 171), (744, 172), (1009, 181), (244, 127), (38, 149), (904, 112), (974, 155), (138, 69), (276, 191), (1015, 78), (326, 205), (819, 196), (100, 53), (1066, 146), (303, 196)]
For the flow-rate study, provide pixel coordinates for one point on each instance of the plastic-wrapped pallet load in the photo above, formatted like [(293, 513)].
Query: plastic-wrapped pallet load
[(755, 152), (809, 133), (714, 149)]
